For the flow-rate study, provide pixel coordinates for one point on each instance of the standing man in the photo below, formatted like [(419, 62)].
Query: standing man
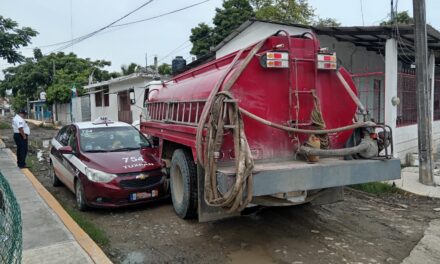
[(21, 133)]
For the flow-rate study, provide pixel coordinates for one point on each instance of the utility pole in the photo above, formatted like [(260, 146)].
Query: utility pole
[(424, 113)]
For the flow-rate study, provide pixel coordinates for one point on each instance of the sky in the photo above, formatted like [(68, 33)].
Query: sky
[(164, 37)]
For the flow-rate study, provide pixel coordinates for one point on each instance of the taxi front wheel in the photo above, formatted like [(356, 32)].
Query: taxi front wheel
[(80, 197), (55, 181)]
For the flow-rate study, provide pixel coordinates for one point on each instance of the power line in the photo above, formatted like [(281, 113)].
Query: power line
[(103, 28), (181, 46), (161, 15), (119, 25)]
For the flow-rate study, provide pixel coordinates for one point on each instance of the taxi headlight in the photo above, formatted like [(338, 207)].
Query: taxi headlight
[(99, 176)]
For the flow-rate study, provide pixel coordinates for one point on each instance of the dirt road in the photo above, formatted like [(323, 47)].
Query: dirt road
[(362, 229)]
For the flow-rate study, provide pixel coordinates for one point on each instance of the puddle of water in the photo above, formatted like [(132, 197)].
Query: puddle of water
[(255, 255)]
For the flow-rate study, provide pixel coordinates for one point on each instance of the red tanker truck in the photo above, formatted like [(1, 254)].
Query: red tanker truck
[(277, 123)]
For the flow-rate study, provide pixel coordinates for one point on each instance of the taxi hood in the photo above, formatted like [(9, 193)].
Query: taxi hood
[(122, 161)]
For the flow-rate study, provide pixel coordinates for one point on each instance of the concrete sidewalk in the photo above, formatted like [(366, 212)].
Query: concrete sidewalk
[(49, 234), (427, 251), (410, 182)]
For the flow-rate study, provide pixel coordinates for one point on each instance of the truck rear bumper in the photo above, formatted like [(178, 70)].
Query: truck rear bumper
[(288, 176)]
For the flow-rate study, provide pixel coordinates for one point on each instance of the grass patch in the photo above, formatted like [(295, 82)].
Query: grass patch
[(30, 162), (4, 125), (376, 188), (97, 234)]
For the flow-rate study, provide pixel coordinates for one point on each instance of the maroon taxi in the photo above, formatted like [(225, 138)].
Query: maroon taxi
[(107, 164)]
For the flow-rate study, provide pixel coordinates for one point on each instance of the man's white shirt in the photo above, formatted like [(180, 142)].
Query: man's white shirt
[(19, 122)]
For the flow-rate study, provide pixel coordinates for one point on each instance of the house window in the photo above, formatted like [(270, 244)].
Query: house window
[(98, 99), (106, 97)]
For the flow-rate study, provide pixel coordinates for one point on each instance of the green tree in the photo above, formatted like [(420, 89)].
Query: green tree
[(55, 73), (327, 22), (164, 69), (226, 19), (401, 18), (12, 38), (19, 101), (130, 69), (201, 38), (286, 11), (231, 16)]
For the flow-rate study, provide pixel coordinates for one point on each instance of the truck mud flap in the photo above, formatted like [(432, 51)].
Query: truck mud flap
[(208, 213)]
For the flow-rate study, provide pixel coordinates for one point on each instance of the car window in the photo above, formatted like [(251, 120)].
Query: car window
[(72, 138), (112, 139), (63, 136)]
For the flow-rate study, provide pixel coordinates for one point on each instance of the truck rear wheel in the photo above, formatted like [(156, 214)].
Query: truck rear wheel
[(183, 176)]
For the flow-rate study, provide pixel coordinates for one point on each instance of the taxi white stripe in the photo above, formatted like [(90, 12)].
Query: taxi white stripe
[(76, 162)]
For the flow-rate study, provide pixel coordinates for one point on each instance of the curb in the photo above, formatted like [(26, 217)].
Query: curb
[(83, 239)]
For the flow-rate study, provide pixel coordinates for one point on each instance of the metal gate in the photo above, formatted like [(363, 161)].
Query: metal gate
[(371, 92), (85, 108)]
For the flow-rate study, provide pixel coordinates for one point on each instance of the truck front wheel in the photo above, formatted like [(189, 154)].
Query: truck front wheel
[(183, 175)]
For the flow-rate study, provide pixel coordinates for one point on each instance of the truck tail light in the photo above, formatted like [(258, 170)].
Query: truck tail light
[(275, 59), (327, 61)]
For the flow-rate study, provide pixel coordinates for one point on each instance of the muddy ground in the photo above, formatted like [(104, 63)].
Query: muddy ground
[(363, 228)]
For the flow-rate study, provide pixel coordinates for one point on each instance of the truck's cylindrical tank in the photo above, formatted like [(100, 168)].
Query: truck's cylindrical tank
[(283, 96)]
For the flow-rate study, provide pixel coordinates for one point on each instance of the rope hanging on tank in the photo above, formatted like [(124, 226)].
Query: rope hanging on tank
[(233, 200), (318, 120)]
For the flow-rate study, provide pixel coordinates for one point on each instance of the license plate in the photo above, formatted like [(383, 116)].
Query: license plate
[(143, 195)]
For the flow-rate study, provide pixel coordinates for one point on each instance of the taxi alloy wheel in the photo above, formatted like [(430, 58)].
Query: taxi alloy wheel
[(80, 198)]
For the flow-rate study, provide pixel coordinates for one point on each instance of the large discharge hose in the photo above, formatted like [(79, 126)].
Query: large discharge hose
[(234, 199)]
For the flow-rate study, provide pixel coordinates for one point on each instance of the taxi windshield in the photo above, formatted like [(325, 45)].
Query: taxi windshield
[(107, 139)]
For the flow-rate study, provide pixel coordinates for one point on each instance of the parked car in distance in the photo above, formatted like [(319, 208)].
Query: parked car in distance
[(107, 164)]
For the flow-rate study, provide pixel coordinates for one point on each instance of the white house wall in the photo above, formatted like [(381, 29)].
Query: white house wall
[(354, 59), (406, 140), (62, 112), (97, 111), (254, 33)]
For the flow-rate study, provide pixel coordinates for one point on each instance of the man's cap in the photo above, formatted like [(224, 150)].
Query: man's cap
[(22, 111)]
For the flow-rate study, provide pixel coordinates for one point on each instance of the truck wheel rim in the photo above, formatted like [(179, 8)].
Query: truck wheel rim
[(177, 184)]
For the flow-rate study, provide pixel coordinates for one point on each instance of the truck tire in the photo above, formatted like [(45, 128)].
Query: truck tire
[(183, 178)]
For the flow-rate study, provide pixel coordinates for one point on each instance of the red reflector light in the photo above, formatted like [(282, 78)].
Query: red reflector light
[(272, 59), (327, 61)]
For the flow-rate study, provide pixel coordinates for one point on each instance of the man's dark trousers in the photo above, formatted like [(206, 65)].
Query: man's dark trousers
[(22, 149)]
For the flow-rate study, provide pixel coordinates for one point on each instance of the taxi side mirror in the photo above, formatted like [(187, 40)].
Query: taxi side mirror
[(66, 150)]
